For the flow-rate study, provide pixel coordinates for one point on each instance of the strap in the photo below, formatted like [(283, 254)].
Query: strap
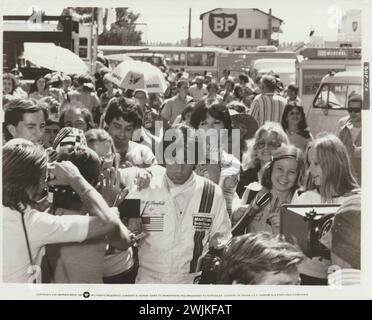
[(26, 236), (205, 206), (207, 197)]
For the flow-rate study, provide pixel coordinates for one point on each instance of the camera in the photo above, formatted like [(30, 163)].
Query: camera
[(62, 196), (306, 225), (209, 265)]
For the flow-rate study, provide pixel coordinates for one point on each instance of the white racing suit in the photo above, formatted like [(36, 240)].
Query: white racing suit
[(178, 237)]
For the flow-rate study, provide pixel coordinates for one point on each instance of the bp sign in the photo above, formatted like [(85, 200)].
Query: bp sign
[(222, 24)]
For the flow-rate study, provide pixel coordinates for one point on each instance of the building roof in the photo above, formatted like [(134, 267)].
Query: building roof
[(201, 16)]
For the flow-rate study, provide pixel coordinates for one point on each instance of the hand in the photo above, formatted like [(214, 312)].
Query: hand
[(238, 214), (142, 179), (109, 185), (274, 219), (135, 225), (126, 164), (62, 173)]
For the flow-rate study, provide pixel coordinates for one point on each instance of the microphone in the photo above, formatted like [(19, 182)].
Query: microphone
[(257, 204)]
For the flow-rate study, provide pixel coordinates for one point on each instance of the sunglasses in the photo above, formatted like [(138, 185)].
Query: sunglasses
[(355, 110), (294, 113), (261, 144)]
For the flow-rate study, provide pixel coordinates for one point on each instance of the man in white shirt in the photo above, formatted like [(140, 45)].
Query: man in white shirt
[(198, 90), (174, 106)]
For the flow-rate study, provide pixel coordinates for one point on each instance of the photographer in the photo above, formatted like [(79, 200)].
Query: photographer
[(26, 231), (73, 262), (260, 258)]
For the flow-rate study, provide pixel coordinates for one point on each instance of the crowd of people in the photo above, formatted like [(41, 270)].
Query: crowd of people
[(107, 185)]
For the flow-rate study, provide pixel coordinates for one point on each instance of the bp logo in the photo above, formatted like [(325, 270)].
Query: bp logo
[(222, 24)]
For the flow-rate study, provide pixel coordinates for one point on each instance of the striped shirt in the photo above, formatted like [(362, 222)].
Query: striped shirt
[(267, 107)]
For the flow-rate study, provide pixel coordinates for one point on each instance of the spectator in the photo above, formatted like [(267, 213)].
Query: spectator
[(260, 259), (221, 167), (174, 106), (350, 133), (76, 117), (19, 90), (292, 94), (51, 130), (228, 93), (330, 180), (212, 97), (25, 119), (26, 230), (85, 95), (267, 106), (198, 90), (39, 89), (281, 177), (9, 86), (170, 254), (109, 93), (267, 139), (344, 243), (295, 126), (149, 115), (225, 77), (122, 118), (238, 93)]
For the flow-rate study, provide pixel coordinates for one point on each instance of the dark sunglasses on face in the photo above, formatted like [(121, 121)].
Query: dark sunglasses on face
[(270, 144), (355, 110), (294, 113)]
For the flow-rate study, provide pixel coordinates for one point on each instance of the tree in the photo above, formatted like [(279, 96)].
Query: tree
[(123, 30)]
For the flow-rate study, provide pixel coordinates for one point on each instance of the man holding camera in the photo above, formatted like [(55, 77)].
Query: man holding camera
[(26, 231), (180, 213)]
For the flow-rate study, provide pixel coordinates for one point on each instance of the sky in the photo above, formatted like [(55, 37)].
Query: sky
[(167, 20)]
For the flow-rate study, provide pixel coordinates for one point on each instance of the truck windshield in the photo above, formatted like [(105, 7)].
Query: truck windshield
[(335, 96)]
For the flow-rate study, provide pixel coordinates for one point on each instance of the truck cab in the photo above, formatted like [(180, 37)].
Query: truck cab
[(330, 102)]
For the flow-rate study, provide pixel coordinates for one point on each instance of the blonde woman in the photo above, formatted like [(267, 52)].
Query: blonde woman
[(268, 138), (330, 180)]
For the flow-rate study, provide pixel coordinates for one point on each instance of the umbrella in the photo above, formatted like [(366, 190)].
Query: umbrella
[(119, 57), (53, 57), (139, 75)]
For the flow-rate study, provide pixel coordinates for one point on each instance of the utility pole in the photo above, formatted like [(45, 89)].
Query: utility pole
[(270, 28), (189, 37)]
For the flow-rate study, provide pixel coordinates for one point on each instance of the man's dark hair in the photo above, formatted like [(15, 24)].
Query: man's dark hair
[(16, 109), (244, 78), (181, 82), (84, 158), (293, 87), (123, 108), (189, 141)]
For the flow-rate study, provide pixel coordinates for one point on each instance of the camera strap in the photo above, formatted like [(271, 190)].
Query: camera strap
[(27, 240)]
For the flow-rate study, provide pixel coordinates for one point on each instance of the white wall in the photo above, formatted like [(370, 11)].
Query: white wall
[(246, 19)]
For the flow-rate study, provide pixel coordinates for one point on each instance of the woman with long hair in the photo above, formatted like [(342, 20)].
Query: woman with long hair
[(267, 139), (221, 167), (295, 126), (281, 177), (330, 180), (39, 89)]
